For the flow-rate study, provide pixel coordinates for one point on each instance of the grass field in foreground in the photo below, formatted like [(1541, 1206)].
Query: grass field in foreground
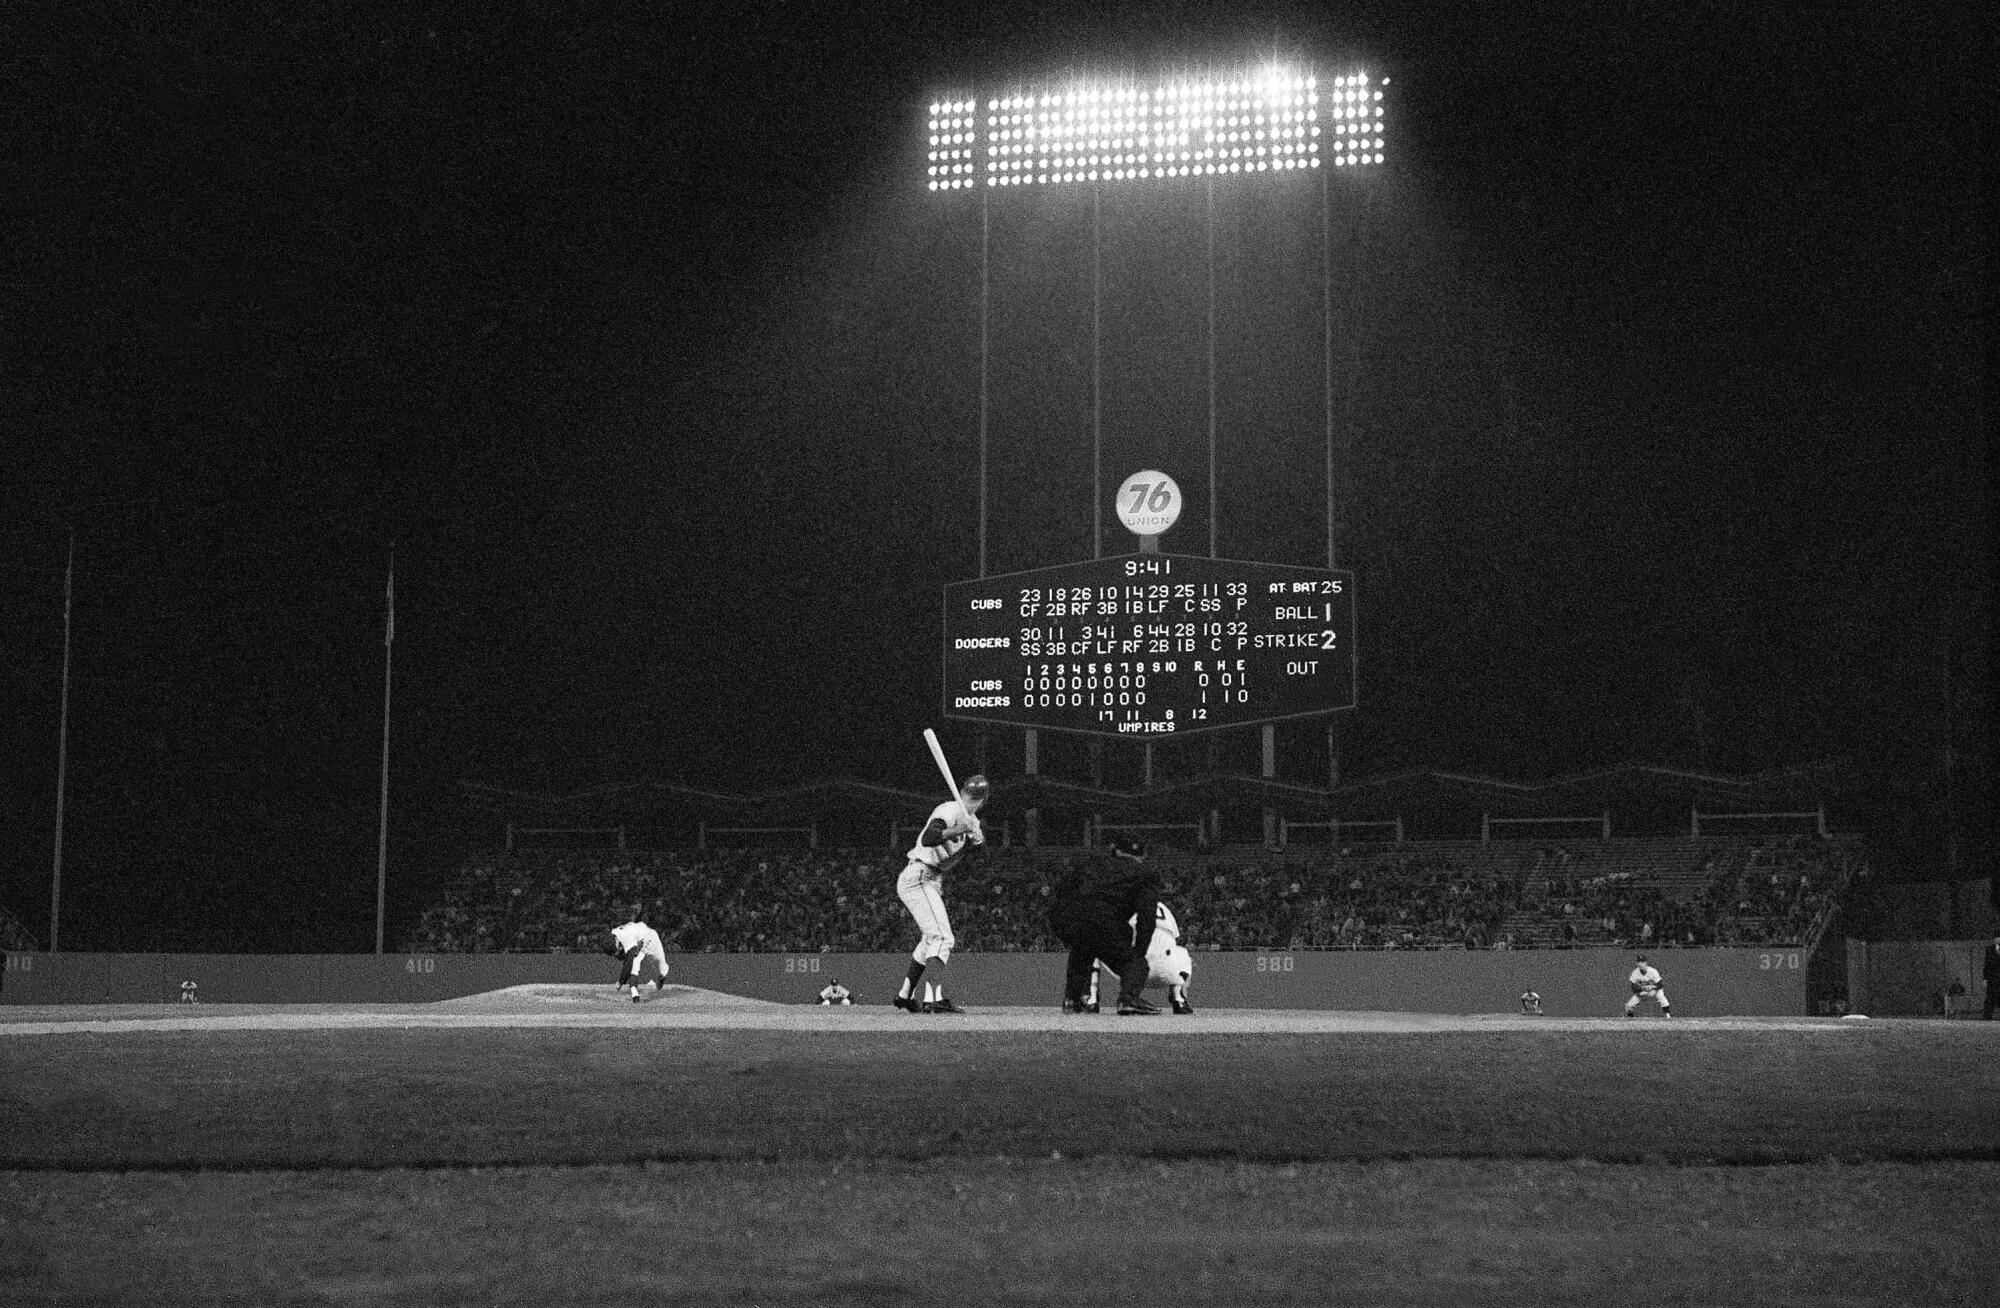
[(615, 1166), (1433, 1234), (498, 1096)]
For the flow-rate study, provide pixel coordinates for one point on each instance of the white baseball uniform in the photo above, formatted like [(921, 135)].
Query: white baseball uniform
[(923, 875), (638, 936), (1168, 962), (1647, 983)]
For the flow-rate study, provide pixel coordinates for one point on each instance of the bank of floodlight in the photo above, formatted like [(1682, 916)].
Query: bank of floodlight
[(1276, 122), (954, 144)]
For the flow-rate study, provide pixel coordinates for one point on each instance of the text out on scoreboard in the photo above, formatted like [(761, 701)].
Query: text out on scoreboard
[(1149, 645)]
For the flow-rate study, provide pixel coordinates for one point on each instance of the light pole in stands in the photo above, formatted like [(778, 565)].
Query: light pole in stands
[(382, 825), (62, 752), (1274, 126), (388, 683), (62, 715)]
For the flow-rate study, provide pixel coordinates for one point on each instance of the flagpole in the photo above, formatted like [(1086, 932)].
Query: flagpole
[(382, 838)]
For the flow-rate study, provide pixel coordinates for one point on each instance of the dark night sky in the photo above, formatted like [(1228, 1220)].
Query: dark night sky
[(638, 333)]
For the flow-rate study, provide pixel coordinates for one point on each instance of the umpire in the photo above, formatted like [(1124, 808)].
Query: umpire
[(1105, 909)]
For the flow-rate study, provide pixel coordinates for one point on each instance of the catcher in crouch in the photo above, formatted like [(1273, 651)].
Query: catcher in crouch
[(638, 947), (1168, 963)]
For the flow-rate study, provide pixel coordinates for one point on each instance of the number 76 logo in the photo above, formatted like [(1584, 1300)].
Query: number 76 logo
[(1148, 503)]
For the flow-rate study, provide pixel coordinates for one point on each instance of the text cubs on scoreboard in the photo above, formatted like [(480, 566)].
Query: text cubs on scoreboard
[(1149, 644)]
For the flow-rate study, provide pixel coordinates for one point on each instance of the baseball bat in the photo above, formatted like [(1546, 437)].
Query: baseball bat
[(944, 768)]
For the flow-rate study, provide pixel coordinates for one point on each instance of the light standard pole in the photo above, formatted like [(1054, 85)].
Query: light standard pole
[(388, 686), (985, 281), (1210, 224), (382, 835), (62, 753), (62, 715)]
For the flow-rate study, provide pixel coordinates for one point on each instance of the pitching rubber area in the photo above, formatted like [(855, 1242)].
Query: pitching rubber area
[(679, 1007)]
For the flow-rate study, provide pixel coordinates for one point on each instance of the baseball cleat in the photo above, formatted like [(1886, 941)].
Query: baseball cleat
[(1136, 1007), (1077, 1006), (908, 1003), (942, 1005), (1183, 1007)]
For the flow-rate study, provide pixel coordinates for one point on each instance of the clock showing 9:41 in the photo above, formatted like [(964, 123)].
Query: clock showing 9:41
[(1149, 644)]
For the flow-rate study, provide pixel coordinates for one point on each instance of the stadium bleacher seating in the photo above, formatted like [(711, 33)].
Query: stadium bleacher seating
[(1662, 893)]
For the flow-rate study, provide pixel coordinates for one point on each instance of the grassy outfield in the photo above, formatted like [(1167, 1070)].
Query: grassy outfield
[(958, 1231), (634, 1165), (374, 1098)]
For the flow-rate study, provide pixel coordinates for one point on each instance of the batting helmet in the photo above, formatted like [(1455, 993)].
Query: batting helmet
[(975, 787)]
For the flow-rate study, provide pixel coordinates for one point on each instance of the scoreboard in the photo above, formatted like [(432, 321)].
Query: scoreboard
[(1149, 645)]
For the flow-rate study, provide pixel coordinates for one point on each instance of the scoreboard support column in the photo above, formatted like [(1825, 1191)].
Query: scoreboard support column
[(1031, 765), (1269, 772)]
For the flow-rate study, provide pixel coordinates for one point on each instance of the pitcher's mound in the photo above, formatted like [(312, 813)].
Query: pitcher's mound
[(541, 997)]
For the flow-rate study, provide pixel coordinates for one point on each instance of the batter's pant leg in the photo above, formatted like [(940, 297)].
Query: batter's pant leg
[(926, 906)]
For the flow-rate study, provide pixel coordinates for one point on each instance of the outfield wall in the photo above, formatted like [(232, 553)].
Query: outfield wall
[(1572, 983)]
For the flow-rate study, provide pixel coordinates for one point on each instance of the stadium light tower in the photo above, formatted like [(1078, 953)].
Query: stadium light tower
[(1170, 131), (1270, 125)]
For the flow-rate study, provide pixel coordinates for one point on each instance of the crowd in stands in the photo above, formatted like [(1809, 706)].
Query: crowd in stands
[(1387, 897), (1400, 900), (1751, 893)]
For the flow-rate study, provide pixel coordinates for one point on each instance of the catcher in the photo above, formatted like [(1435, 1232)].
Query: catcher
[(1168, 962), (1647, 983)]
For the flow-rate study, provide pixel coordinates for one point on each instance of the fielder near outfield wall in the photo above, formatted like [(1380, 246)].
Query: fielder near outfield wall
[(1572, 983)]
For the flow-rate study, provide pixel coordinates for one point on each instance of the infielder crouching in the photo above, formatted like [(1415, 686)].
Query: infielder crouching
[(638, 947), (953, 824), (1647, 983)]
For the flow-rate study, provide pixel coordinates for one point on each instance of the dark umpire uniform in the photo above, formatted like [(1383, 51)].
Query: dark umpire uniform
[(1092, 912)]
